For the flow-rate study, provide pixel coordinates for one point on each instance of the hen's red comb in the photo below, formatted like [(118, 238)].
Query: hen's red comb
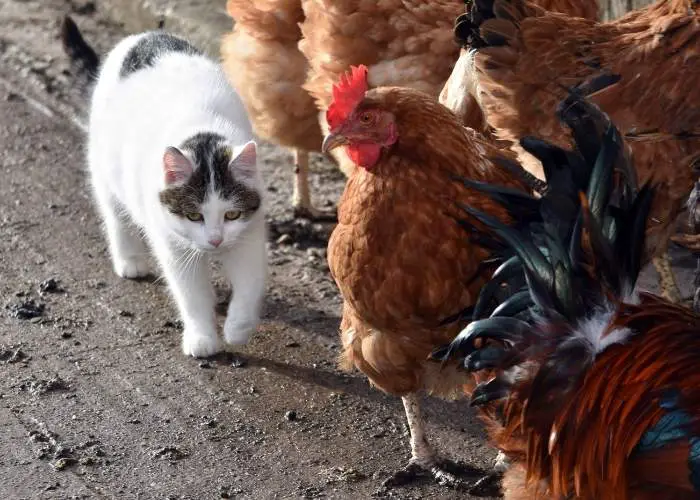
[(347, 94)]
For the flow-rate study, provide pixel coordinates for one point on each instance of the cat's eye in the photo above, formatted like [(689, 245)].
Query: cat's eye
[(232, 214), (195, 216)]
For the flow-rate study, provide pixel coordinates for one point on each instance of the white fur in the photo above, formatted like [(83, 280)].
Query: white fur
[(132, 122)]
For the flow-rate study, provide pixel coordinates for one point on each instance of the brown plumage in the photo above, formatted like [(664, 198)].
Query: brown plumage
[(459, 92), (398, 255), (527, 57), (264, 64), (262, 60), (601, 422), (595, 391), (405, 43), (285, 78)]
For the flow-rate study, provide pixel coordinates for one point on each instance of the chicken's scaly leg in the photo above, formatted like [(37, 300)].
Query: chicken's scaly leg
[(694, 218), (696, 283), (301, 197), (667, 280), (423, 458)]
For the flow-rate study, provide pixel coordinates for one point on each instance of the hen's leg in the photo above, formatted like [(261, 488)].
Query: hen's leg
[(301, 198), (696, 295), (667, 280), (423, 459)]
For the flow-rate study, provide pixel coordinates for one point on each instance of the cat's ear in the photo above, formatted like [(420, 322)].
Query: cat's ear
[(176, 166), (244, 164)]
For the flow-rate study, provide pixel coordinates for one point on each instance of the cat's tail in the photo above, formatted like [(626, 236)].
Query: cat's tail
[(85, 62)]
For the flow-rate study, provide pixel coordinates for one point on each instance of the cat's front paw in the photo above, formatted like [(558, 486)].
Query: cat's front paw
[(237, 331), (200, 346), (131, 267)]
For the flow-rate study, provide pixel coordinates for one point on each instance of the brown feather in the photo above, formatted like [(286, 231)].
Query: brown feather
[(399, 257), (603, 419), (263, 47), (654, 50)]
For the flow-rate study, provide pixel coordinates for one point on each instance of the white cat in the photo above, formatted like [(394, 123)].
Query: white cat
[(171, 150)]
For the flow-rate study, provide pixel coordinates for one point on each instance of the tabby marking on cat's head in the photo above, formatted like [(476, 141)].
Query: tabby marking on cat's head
[(210, 194)]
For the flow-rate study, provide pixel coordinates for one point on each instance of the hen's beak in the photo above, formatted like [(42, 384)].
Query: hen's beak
[(332, 141)]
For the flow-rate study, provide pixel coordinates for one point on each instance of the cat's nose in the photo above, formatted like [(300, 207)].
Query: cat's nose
[(215, 242)]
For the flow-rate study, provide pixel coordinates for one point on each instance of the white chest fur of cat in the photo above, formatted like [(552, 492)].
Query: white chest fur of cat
[(171, 153)]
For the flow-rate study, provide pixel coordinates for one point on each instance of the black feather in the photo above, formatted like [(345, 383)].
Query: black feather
[(509, 269), (573, 256), (485, 359), (493, 390)]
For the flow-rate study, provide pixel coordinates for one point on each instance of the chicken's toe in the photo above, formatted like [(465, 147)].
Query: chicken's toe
[(488, 486), (444, 472)]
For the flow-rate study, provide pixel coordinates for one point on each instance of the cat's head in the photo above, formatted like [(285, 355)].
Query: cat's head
[(211, 190)]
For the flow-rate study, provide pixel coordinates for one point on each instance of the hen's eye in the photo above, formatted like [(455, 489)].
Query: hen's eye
[(195, 216), (366, 117), (232, 214)]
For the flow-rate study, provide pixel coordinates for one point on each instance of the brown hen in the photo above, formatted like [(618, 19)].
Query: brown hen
[(400, 259), (404, 43), (262, 60), (459, 92), (525, 58)]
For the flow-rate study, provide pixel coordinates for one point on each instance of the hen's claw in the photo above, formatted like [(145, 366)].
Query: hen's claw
[(488, 486), (415, 470)]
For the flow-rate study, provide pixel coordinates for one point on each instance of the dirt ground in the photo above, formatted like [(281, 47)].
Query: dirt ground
[(96, 398)]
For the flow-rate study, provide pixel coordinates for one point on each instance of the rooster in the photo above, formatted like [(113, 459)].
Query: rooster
[(595, 389), (523, 58), (402, 263)]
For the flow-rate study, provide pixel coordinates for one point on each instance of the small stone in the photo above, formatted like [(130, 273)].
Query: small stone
[(50, 286), (292, 343), (238, 362), (204, 364), (126, 314), (291, 415), (285, 239), (62, 452), (27, 310), (66, 335), (63, 463), (171, 453)]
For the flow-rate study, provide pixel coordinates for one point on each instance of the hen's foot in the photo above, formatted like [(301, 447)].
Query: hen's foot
[(488, 486), (314, 214), (444, 472)]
